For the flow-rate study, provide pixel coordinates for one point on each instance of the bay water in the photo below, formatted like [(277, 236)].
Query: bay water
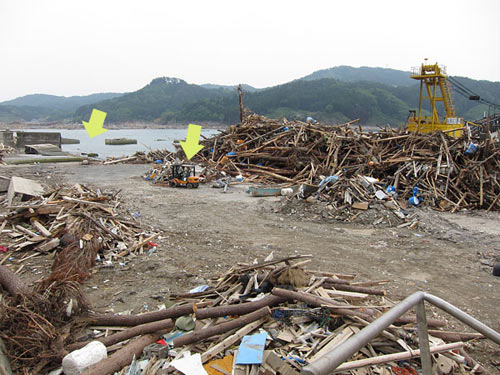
[(147, 140)]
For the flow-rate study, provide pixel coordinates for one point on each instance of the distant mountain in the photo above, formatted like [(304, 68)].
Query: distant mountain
[(44, 107), (155, 102), (390, 77), (375, 95), (25, 113), (327, 100), (245, 87), (59, 102)]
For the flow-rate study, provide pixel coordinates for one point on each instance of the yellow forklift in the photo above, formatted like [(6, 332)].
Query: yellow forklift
[(437, 90), (183, 175)]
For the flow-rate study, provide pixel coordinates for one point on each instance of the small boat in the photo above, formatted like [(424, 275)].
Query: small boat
[(120, 141)]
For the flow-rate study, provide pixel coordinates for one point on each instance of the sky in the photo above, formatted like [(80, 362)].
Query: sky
[(77, 47)]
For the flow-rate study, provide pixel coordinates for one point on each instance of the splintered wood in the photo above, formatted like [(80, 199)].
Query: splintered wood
[(450, 173), (40, 225), (305, 314)]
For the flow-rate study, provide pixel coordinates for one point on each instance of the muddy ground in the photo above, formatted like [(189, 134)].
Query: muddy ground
[(205, 232)]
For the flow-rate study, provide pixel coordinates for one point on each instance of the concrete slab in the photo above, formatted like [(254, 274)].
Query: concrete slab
[(23, 187)]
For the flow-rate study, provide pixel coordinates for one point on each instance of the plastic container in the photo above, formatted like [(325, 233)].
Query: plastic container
[(76, 361)]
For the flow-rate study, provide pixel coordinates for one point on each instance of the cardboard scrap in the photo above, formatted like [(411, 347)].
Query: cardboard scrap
[(221, 366)]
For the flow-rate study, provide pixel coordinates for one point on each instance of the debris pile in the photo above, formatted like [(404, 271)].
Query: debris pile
[(141, 157), (275, 316), (82, 226), (434, 169), (39, 225)]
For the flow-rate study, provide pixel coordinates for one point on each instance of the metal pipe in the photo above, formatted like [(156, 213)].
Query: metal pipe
[(330, 361), (464, 317), (423, 339), (324, 365)]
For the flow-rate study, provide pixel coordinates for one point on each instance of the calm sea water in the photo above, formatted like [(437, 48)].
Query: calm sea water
[(147, 139)]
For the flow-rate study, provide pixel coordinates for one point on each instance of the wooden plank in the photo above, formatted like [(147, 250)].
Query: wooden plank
[(347, 295), (339, 339)]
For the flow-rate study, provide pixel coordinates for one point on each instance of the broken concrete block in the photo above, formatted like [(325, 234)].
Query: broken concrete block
[(23, 188), (360, 205)]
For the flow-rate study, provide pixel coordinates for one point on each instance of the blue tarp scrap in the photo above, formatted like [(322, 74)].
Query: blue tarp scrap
[(251, 350)]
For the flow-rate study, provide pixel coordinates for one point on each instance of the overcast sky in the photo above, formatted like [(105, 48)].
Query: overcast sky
[(81, 47)]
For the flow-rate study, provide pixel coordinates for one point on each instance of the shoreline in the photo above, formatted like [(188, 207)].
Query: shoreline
[(111, 126)]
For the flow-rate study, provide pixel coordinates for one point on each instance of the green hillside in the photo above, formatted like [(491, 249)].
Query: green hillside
[(42, 107), (64, 103), (377, 96), (390, 77), (12, 113), (158, 100)]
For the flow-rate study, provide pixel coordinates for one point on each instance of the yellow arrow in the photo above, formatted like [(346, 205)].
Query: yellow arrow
[(94, 126), (191, 146)]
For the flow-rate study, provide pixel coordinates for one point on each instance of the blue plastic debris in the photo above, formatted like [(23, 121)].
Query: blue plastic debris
[(390, 190), (231, 153), (415, 199), (471, 149), (251, 350), (328, 180)]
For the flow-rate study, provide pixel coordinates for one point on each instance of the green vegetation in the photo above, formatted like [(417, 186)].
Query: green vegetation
[(375, 95), (41, 107)]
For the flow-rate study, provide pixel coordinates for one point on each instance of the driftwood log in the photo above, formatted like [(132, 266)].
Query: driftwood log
[(122, 357)]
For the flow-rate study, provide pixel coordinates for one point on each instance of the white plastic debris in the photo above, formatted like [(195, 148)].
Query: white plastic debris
[(77, 361)]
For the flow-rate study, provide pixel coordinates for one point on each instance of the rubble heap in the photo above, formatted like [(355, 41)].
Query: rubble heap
[(82, 226), (299, 314), (449, 173), (39, 224)]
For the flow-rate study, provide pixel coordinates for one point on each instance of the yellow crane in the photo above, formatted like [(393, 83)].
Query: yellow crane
[(435, 88)]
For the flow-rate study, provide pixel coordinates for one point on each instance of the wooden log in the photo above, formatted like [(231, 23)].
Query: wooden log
[(11, 282), (408, 319), (141, 329), (455, 336), (358, 289), (133, 320), (122, 357), (218, 329), (313, 300), (240, 309)]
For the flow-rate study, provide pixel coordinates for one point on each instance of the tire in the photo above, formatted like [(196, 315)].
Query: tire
[(196, 185), (189, 185)]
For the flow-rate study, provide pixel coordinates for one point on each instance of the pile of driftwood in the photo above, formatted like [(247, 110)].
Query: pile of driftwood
[(450, 173), (303, 314), (39, 225), (82, 226), (141, 157)]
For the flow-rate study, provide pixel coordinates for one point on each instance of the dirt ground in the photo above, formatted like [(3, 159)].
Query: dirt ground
[(205, 232)]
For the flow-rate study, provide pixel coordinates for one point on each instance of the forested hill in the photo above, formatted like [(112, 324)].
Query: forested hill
[(389, 77), (375, 95), (47, 107), (157, 101)]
